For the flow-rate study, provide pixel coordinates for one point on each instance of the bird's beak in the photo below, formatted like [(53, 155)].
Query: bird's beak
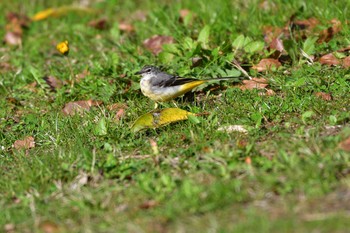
[(138, 72)]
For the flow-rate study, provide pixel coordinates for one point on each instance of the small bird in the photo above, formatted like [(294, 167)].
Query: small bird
[(161, 86)]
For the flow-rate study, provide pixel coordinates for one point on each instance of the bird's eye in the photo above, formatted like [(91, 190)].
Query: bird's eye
[(148, 70)]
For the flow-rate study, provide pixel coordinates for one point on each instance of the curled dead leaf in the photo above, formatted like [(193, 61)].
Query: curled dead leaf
[(79, 106), (26, 143), (13, 38), (139, 15), (327, 34), (53, 82), (82, 75), (155, 43), (126, 27), (100, 24), (346, 62), (345, 145), (329, 59), (254, 83), (266, 64), (324, 96), (49, 227), (148, 204)]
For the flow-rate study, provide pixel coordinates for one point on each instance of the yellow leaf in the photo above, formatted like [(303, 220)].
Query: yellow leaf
[(159, 117), (43, 14), (63, 47), (55, 12)]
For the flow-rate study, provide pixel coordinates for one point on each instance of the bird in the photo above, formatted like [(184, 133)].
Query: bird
[(161, 86)]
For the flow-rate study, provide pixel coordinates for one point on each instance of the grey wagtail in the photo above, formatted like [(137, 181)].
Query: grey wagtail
[(161, 86)]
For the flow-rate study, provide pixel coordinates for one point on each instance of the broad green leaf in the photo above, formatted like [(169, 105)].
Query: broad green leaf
[(309, 45), (254, 47), (238, 43), (203, 36), (101, 128)]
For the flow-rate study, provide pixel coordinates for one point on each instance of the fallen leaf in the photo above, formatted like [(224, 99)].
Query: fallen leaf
[(49, 227), (346, 62), (304, 24), (148, 204), (268, 92), (119, 114), (345, 145), (61, 11), (160, 117), (5, 67), (9, 228), (155, 43), (270, 33), (186, 17), (53, 82), (26, 143), (139, 15), (82, 75), (13, 38), (79, 106), (329, 59), (327, 34), (100, 24), (254, 83), (276, 45), (324, 96), (126, 27), (267, 64)]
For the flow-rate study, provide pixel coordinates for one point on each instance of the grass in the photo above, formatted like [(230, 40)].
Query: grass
[(288, 174)]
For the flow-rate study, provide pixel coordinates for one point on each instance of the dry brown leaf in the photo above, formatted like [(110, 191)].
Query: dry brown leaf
[(276, 44), (327, 34), (155, 43), (345, 145), (31, 87), (344, 49), (305, 24), (119, 110), (79, 106), (139, 15), (49, 227), (9, 228), (270, 33), (268, 92), (267, 64), (53, 82), (13, 38), (5, 67), (14, 28), (148, 204), (346, 62), (324, 96), (26, 143), (329, 59), (82, 75), (126, 27), (100, 24), (254, 83)]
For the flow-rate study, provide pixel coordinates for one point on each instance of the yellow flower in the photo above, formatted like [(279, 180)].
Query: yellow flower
[(63, 47)]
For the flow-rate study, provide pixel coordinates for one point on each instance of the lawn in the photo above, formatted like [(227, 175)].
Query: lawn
[(268, 151)]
